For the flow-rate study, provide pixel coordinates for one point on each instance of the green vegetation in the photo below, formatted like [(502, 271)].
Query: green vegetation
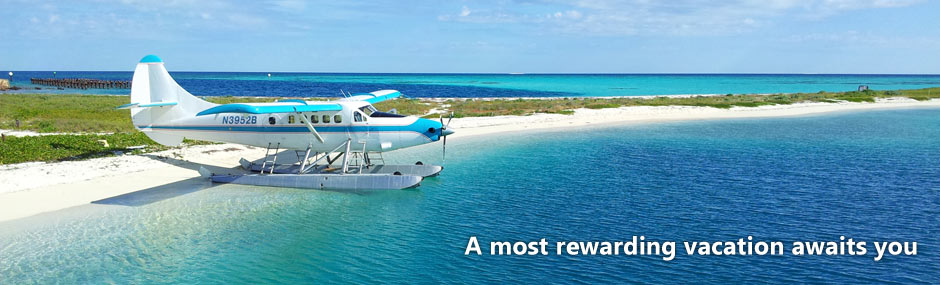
[(499, 107), (73, 147), (64, 113), (478, 108), (96, 114), (409, 107), (48, 113)]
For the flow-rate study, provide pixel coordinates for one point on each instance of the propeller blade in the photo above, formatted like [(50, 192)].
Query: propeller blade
[(443, 134)]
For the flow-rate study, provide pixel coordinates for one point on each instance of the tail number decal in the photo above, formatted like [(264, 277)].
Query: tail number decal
[(239, 120)]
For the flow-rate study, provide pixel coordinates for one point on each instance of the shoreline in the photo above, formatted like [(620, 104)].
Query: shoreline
[(652, 114), (37, 187)]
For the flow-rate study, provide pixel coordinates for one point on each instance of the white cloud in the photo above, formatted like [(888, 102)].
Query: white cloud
[(464, 11), (861, 4), (172, 19), (246, 20), (570, 14), (853, 38), (290, 5), (629, 17)]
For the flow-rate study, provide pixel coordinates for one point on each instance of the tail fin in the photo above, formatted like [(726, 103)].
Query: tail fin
[(167, 102)]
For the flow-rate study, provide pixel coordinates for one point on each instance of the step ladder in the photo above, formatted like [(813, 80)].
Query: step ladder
[(273, 160), (373, 157)]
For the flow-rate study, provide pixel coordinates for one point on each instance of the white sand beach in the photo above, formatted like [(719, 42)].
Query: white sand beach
[(37, 187)]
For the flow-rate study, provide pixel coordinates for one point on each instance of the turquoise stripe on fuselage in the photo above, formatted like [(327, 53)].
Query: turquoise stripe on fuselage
[(421, 126)]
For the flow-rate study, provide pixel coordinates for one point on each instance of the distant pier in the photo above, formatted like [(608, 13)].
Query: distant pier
[(82, 83)]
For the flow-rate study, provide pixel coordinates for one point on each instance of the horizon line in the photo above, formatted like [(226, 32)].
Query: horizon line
[(495, 73)]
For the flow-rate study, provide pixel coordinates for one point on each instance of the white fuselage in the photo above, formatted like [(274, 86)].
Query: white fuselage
[(289, 131)]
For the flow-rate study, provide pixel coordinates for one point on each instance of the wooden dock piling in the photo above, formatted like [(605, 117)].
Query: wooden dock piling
[(82, 83)]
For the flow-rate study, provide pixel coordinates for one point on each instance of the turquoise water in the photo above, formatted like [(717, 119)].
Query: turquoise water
[(497, 85), (869, 175)]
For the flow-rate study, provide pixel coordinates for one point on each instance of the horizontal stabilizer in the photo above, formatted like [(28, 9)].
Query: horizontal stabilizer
[(146, 105), (269, 108)]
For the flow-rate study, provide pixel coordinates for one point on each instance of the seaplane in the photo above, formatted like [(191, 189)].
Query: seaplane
[(338, 144)]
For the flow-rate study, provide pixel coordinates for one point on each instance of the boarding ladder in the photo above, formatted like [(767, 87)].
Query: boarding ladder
[(273, 160), (356, 159), (363, 159), (373, 157)]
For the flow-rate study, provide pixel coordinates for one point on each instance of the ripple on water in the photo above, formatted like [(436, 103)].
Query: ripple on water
[(863, 175)]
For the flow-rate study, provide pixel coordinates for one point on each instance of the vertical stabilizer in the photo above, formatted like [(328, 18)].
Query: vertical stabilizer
[(152, 85)]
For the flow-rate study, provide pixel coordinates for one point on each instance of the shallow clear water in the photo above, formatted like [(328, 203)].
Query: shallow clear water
[(497, 85), (870, 176)]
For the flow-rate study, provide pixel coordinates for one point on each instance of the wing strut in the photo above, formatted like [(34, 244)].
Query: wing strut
[(313, 131)]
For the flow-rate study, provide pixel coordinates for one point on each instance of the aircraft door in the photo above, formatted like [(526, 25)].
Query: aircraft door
[(358, 126), (362, 128)]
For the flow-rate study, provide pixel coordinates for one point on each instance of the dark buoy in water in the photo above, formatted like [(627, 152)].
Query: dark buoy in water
[(419, 163)]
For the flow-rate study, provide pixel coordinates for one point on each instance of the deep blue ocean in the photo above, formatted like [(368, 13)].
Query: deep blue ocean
[(493, 85), (871, 176)]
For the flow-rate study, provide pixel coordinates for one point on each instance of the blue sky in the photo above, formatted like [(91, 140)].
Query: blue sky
[(535, 36)]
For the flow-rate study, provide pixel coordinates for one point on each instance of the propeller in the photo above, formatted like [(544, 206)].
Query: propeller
[(444, 133)]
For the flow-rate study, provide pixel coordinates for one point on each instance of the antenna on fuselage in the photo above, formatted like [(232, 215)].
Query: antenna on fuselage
[(344, 93)]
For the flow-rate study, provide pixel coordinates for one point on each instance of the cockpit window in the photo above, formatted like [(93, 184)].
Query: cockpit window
[(368, 110), (358, 117)]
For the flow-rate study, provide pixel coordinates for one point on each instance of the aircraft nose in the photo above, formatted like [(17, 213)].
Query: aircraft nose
[(447, 131)]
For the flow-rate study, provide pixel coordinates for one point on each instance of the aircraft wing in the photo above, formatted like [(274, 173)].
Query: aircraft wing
[(374, 97), (291, 106), (145, 105)]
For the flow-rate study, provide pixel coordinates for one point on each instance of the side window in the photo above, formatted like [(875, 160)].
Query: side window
[(357, 116), (338, 119), (326, 118), (314, 119), (271, 120), (290, 119)]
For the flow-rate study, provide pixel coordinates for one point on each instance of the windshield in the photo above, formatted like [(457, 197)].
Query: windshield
[(368, 110)]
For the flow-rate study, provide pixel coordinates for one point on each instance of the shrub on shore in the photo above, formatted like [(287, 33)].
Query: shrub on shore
[(96, 113), (75, 147)]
